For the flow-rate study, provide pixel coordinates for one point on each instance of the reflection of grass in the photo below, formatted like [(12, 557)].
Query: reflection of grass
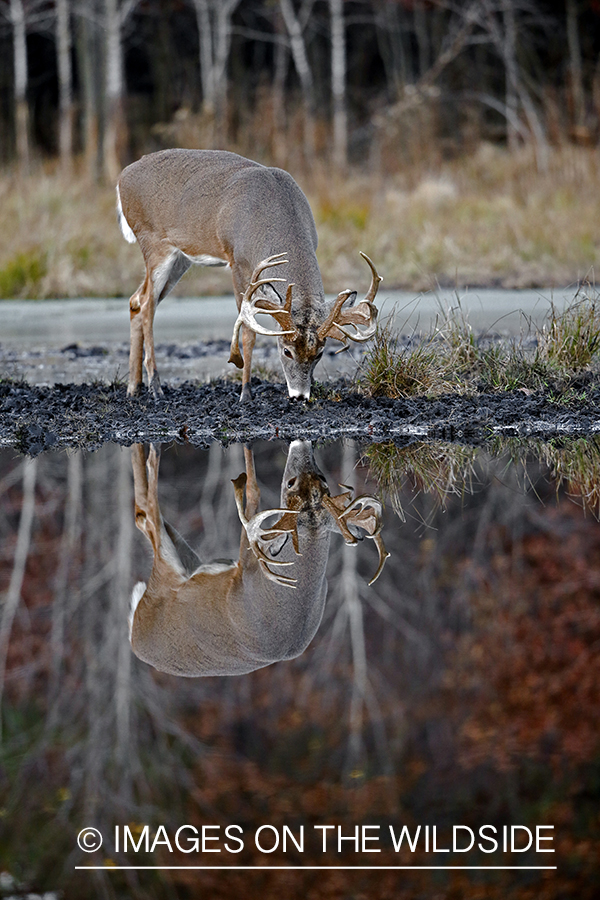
[(452, 358), (437, 468), (442, 469), (574, 463)]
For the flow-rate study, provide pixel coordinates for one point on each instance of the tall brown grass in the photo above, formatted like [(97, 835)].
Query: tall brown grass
[(489, 217)]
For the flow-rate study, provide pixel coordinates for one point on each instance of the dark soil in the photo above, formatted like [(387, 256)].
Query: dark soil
[(37, 418)]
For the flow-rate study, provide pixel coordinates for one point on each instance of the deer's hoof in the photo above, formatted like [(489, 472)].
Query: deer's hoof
[(155, 388), (246, 395)]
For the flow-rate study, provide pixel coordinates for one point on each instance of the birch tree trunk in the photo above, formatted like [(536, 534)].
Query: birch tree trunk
[(206, 55), (575, 66), (338, 84), (89, 62), (224, 12), (279, 128), (213, 18), (17, 17), (65, 84), (302, 65), (511, 72), (114, 125)]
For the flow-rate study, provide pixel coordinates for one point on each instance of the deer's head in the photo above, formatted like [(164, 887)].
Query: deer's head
[(302, 341), (306, 501)]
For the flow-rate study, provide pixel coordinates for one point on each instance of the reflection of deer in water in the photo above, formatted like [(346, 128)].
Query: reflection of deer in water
[(227, 617)]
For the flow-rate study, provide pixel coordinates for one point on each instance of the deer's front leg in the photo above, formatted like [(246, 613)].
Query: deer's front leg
[(248, 340), (136, 343), (147, 316)]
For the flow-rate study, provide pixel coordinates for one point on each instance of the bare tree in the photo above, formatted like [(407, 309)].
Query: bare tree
[(65, 83), (338, 84), (575, 66), (115, 126), (295, 24), (279, 75), (13, 594), (509, 51), (17, 18), (88, 45), (503, 36), (214, 30)]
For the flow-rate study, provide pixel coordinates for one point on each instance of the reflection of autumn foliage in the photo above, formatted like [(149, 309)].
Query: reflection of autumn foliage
[(480, 698), (531, 666)]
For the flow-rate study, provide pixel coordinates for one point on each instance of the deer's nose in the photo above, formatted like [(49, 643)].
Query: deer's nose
[(299, 395)]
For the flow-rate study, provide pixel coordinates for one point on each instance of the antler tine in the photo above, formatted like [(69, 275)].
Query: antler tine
[(278, 579), (371, 524), (339, 301), (274, 260), (256, 533), (383, 555), (376, 279), (250, 309), (365, 314)]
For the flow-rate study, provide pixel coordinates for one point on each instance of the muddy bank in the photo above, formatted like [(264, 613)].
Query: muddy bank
[(35, 418)]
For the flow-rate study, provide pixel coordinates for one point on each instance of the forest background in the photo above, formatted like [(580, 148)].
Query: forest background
[(455, 142)]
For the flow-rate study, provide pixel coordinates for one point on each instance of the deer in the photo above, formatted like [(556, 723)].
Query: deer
[(230, 617), (215, 208)]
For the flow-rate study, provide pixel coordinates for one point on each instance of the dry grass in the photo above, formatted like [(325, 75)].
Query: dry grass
[(453, 359), (487, 217)]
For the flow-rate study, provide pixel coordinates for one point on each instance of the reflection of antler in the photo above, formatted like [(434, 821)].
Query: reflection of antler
[(287, 524), (363, 512), (250, 308), (362, 318)]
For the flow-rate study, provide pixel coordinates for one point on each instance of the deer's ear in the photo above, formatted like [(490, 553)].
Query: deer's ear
[(269, 292), (277, 545)]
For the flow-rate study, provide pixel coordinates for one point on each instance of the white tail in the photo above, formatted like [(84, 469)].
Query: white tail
[(231, 617), (212, 207)]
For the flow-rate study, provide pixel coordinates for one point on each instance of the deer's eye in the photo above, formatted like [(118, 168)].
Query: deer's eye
[(288, 353)]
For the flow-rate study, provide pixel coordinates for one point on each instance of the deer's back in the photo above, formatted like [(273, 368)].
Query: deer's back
[(213, 201)]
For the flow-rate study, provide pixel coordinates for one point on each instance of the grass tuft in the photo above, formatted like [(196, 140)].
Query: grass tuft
[(452, 358)]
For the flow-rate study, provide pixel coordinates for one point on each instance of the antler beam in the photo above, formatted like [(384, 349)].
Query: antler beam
[(287, 524), (249, 309), (364, 512), (362, 318)]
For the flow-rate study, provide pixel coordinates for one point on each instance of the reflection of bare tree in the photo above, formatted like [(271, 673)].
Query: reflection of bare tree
[(13, 594), (363, 699)]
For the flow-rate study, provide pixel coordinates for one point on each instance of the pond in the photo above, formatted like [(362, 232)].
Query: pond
[(364, 669)]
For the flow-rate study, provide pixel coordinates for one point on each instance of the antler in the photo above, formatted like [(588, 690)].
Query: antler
[(249, 309), (365, 314), (287, 524), (368, 517)]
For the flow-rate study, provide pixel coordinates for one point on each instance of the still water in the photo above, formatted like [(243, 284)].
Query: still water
[(378, 657)]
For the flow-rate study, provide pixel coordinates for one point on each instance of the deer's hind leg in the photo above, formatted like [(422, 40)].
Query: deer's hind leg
[(161, 277)]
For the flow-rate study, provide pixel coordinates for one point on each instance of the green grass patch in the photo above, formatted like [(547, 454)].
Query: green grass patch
[(21, 275)]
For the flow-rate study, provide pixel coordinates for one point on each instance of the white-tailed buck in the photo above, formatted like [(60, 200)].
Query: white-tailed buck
[(231, 617), (216, 208)]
